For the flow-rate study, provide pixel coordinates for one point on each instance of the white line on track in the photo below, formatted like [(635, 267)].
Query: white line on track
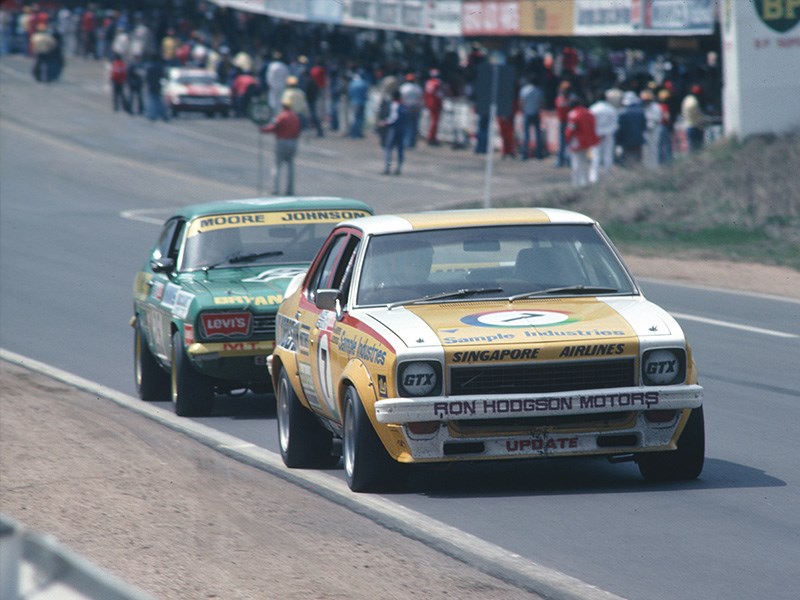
[(483, 555), (729, 325)]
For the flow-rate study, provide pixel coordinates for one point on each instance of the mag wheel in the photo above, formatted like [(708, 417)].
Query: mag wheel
[(152, 382), (192, 392), (368, 467), (304, 441)]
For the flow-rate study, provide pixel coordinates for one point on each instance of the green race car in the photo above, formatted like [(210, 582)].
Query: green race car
[(205, 301)]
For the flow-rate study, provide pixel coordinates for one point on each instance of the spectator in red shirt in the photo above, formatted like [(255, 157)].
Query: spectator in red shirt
[(433, 97), (118, 77), (286, 128), (581, 136)]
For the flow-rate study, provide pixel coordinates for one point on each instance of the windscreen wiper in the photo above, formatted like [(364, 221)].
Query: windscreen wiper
[(254, 256), (462, 293), (567, 289)]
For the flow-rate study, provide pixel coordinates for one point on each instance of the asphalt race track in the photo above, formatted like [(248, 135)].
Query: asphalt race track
[(83, 189)]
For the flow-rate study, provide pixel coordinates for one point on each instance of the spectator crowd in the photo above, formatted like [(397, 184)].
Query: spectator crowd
[(591, 108)]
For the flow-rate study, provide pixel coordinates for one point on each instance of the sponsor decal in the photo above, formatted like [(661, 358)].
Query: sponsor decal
[(474, 356), (479, 339), (157, 291), (275, 275), (383, 388), (254, 300), (182, 302), (251, 219), (362, 348), (593, 350), (778, 15), (541, 443), (549, 404), (324, 216), (519, 318), (226, 324), (170, 293)]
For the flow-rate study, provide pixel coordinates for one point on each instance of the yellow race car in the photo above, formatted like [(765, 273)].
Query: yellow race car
[(479, 335)]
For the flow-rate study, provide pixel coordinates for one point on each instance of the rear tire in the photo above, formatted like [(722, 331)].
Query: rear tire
[(367, 465), (304, 442), (192, 392), (152, 382), (683, 464)]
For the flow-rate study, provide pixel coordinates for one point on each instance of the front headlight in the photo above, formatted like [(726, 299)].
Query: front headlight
[(419, 378), (664, 366)]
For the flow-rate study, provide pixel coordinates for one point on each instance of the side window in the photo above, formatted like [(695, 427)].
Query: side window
[(344, 273), (166, 247), (321, 279)]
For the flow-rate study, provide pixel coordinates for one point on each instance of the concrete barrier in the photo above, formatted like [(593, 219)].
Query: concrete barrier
[(34, 565)]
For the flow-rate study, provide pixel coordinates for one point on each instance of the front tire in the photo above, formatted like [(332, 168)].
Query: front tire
[(367, 465), (152, 382), (304, 442), (683, 464), (192, 392)]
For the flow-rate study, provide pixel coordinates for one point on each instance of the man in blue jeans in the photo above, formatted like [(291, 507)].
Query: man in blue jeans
[(531, 99), (357, 94), (154, 72)]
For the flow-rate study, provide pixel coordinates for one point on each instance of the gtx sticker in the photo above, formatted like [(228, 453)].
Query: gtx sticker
[(519, 318)]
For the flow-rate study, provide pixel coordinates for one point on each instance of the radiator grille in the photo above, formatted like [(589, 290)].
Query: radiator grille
[(542, 378), (264, 326)]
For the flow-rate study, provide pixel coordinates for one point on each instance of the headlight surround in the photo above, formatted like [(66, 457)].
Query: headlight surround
[(664, 366), (418, 378)]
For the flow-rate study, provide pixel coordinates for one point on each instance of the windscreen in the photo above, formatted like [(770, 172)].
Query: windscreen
[(490, 262)]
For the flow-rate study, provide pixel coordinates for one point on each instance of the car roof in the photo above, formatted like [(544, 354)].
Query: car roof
[(450, 219), (272, 204)]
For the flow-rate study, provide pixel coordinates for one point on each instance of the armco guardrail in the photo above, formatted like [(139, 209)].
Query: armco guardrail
[(34, 565)]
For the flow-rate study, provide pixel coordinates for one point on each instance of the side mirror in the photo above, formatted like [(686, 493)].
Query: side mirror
[(162, 266), (328, 300)]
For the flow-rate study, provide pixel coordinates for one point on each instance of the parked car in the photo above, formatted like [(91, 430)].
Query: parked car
[(479, 335), (196, 90), (204, 303)]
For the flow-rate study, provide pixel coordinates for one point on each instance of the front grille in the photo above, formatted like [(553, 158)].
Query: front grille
[(264, 326), (555, 423), (542, 378)]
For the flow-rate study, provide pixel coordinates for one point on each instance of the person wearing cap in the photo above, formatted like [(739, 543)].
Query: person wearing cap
[(411, 94), (693, 118), (296, 99), (632, 125), (433, 95), (286, 128)]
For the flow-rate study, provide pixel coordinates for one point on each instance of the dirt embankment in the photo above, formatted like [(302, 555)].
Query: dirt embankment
[(181, 521)]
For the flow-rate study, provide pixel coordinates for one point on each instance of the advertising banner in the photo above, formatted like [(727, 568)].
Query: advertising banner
[(608, 17), (492, 17), (679, 17), (546, 17), (761, 51)]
